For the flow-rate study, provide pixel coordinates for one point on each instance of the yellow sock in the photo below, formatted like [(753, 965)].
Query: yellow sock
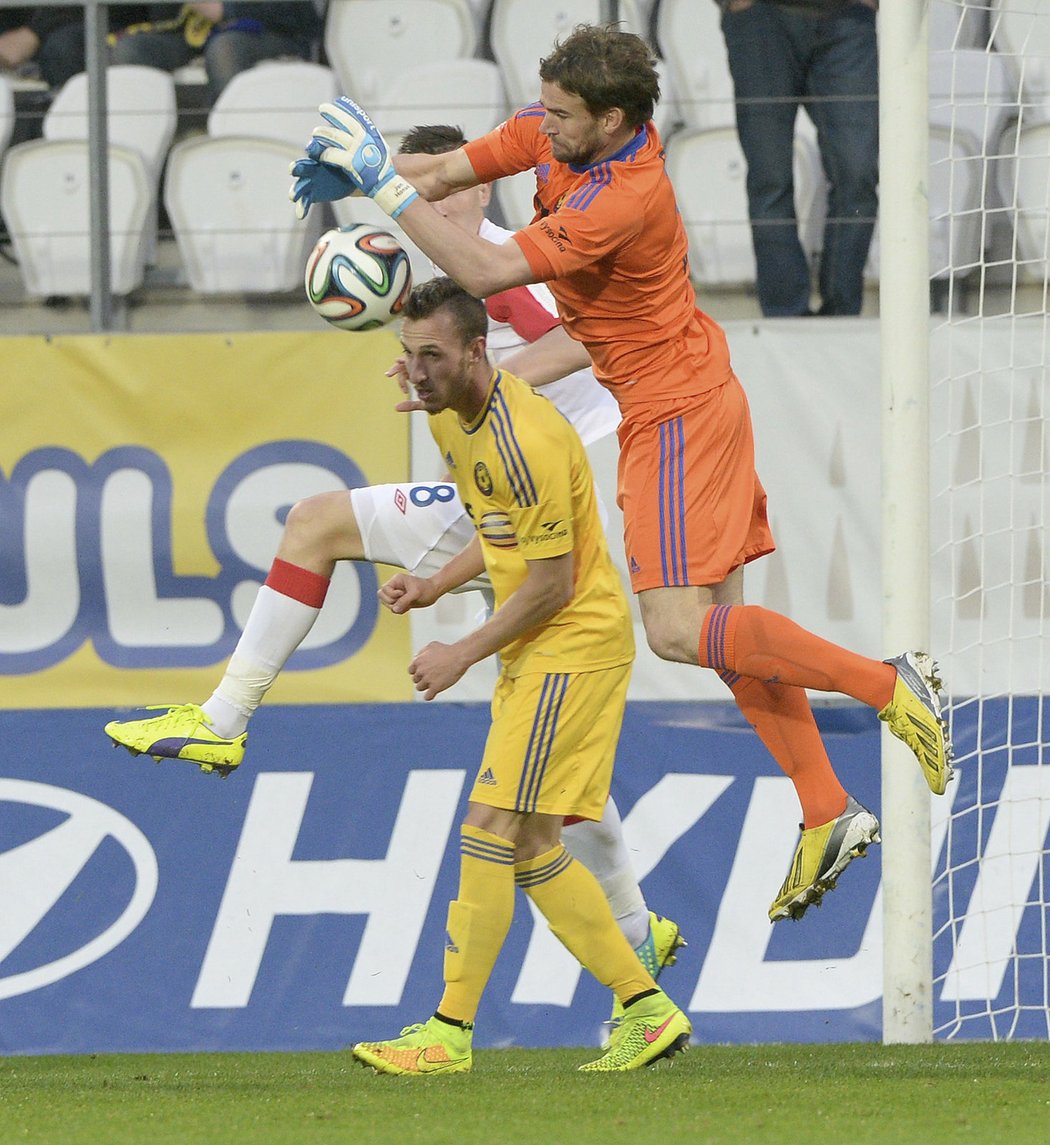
[(572, 902), (478, 920)]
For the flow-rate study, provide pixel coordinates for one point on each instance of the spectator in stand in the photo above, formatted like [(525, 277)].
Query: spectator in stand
[(50, 41), (231, 37), (821, 54)]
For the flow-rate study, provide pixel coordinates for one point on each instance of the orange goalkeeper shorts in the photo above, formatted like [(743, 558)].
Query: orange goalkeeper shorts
[(693, 506)]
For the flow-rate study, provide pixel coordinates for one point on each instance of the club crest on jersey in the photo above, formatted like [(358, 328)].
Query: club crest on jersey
[(483, 479)]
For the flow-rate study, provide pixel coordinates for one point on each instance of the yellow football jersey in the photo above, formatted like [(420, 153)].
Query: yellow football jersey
[(524, 478)]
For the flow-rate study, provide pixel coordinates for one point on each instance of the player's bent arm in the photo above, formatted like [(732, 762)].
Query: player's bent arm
[(436, 176), (547, 588), (480, 267), (552, 356), (404, 591)]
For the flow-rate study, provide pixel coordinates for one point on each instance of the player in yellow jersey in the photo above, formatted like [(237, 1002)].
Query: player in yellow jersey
[(609, 241), (563, 631)]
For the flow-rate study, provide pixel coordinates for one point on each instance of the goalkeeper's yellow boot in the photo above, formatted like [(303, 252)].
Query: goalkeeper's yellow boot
[(183, 732), (651, 1028), (428, 1048), (659, 949), (823, 853), (914, 716)]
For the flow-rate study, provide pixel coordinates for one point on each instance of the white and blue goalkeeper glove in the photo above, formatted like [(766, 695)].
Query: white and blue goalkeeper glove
[(351, 141), (317, 182)]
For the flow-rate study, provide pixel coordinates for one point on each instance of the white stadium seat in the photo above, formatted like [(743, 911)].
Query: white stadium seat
[(1023, 181), (689, 37), (141, 107), (226, 193), (44, 198), (714, 206), (523, 32), (142, 115), (467, 92), (276, 99), (370, 44), (236, 231), (1021, 32)]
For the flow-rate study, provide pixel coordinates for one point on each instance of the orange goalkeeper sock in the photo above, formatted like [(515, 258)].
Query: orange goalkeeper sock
[(752, 641), (784, 721)]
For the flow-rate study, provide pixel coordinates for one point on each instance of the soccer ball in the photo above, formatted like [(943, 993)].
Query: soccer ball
[(358, 277)]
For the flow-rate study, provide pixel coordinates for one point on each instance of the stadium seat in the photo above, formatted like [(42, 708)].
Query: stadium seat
[(142, 115), (1021, 32), (689, 38), (236, 231), (226, 193), (44, 198), (276, 99), (1023, 180), (957, 24), (372, 46), (955, 221), (522, 33), (714, 206), (141, 112), (972, 91), (467, 92)]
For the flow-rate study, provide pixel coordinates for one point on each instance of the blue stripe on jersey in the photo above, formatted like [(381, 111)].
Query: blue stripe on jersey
[(533, 111), (486, 850), (672, 503), (541, 740), (514, 462), (528, 879), (601, 176)]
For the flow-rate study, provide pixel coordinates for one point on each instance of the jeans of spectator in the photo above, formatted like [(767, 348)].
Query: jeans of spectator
[(781, 58), (225, 54)]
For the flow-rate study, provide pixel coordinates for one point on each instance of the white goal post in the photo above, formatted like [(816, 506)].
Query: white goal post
[(904, 347), (964, 205)]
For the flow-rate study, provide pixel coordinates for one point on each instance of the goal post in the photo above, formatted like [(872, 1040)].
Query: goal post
[(905, 381)]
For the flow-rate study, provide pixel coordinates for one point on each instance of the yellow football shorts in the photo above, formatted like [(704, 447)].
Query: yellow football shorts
[(552, 742)]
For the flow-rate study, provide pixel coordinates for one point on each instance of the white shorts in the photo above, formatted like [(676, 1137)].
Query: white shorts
[(417, 526)]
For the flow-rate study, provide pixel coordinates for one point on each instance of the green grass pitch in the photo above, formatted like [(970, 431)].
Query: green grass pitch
[(841, 1094)]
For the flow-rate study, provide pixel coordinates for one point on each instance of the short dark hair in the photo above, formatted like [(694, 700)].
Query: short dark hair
[(471, 318), (432, 139), (606, 67)]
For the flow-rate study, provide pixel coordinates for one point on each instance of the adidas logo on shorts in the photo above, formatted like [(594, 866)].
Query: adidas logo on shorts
[(487, 777)]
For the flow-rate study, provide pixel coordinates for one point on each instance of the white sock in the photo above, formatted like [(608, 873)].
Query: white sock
[(277, 625), (601, 848)]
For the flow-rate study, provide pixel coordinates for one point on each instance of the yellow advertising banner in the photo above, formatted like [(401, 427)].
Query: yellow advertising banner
[(144, 483)]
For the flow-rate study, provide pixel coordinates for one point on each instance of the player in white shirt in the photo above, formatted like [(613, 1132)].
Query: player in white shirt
[(417, 526)]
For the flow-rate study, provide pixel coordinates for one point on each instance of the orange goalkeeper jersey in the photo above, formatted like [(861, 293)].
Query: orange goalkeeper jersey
[(609, 241)]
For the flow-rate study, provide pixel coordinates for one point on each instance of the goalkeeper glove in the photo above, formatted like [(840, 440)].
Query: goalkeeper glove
[(317, 182), (350, 140)]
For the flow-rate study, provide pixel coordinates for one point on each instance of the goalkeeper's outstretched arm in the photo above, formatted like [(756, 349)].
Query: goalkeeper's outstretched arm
[(435, 176)]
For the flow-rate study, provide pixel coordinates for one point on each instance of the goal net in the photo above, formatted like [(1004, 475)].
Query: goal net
[(989, 189)]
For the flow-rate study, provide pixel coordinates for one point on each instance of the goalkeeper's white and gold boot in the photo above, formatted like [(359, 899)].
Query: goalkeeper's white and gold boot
[(823, 853), (914, 716), (182, 732)]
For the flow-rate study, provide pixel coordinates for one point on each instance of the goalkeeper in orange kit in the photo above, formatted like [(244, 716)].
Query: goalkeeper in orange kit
[(609, 241)]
